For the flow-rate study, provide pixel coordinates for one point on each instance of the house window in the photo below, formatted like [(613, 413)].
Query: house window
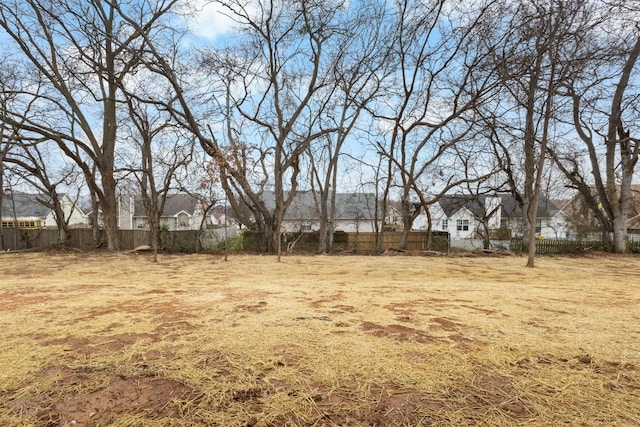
[(305, 227), (538, 225), (22, 224), (462, 225), (503, 223), (445, 224)]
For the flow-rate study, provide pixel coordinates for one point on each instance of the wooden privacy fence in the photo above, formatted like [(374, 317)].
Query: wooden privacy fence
[(79, 238), (82, 238), (417, 241), (185, 241), (357, 242)]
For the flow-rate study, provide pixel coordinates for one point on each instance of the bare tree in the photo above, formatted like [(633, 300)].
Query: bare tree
[(270, 77), (203, 184), (608, 77), (81, 53), (34, 159), (533, 57), (277, 94), (159, 150), (430, 101), (36, 165), (357, 74), (7, 132)]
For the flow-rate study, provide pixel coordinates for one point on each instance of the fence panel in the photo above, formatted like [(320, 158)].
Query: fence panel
[(130, 239), (556, 247), (417, 241), (16, 239), (82, 238)]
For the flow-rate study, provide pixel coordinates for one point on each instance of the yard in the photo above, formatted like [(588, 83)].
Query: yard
[(194, 340)]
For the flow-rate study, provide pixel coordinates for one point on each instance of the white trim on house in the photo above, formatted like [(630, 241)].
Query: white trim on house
[(466, 208)]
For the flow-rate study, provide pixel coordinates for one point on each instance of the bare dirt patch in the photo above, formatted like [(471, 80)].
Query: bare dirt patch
[(118, 340), (120, 396), (397, 332)]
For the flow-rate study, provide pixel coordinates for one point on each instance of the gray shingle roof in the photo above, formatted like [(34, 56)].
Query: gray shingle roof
[(511, 208), (22, 205), (451, 204), (348, 205)]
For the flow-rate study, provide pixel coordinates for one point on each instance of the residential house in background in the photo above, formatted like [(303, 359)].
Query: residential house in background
[(30, 211), (552, 222), (471, 217), (355, 212), (181, 212), (585, 226)]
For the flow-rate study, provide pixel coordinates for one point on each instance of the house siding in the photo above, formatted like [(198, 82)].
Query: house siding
[(501, 211), (462, 225), (182, 212), (32, 211)]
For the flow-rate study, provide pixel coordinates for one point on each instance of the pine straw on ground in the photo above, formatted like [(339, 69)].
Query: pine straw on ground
[(117, 340)]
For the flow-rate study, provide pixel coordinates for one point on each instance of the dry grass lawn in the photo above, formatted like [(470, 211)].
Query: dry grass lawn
[(117, 340)]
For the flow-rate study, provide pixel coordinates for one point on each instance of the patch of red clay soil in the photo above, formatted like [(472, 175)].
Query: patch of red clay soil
[(121, 395), (397, 332), (445, 324), (112, 343), (143, 393)]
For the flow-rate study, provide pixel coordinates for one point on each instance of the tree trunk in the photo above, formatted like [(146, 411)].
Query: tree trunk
[(95, 223), (620, 233), (2, 247), (110, 213), (531, 240), (323, 229), (63, 236), (274, 242), (332, 217), (322, 235), (404, 238), (486, 238), (155, 232), (618, 139), (61, 221)]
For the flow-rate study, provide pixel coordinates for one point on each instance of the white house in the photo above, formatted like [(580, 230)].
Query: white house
[(552, 223), (458, 215), (32, 211), (468, 217)]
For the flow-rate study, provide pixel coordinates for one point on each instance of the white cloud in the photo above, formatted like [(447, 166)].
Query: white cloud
[(209, 20)]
